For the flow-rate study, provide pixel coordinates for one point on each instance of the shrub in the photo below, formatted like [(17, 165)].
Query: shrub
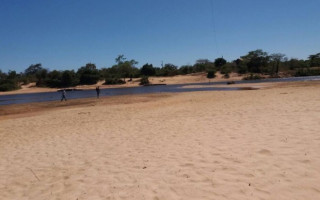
[(199, 67), (113, 81), (148, 70), (211, 74), (252, 77), (225, 69), (8, 85), (144, 80), (307, 72), (89, 79), (24, 80), (185, 70), (53, 83), (226, 75), (219, 62), (88, 74), (168, 70), (242, 69), (68, 78)]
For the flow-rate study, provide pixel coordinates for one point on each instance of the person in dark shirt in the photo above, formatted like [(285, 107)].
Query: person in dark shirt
[(98, 91)]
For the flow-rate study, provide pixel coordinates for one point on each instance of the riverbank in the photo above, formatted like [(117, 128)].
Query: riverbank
[(180, 79), (259, 144)]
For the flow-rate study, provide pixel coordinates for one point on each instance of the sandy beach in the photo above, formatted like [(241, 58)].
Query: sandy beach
[(226, 145)]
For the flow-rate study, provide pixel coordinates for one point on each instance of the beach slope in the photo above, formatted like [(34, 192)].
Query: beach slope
[(250, 144)]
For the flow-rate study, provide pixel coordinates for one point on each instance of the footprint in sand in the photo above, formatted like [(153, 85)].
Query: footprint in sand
[(265, 152)]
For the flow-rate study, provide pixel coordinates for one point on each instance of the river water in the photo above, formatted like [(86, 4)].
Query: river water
[(55, 96)]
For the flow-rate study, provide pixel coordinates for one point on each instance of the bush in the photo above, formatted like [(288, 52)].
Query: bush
[(226, 75), (252, 77), (24, 80), (211, 74), (88, 74), (225, 69), (53, 83), (89, 79), (307, 72), (242, 68), (8, 85), (113, 81), (148, 70), (69, 78), (199, 67), (168, 70), (185, 70), (144, 80), (219, 62)]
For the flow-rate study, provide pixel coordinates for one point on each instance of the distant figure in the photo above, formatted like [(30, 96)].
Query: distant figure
[(98, 91), (63, 97)]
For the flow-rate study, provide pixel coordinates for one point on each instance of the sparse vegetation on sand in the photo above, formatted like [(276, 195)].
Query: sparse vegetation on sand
[(256, 63)]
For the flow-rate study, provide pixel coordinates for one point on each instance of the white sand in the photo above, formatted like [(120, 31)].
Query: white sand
[(258, 144)]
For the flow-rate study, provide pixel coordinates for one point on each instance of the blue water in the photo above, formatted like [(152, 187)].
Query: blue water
[(56, 96)]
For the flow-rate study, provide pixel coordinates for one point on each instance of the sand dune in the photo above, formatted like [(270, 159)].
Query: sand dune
[(257, 144)]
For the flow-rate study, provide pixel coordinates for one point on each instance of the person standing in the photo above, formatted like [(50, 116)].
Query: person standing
[(98, 91), (64, 94)]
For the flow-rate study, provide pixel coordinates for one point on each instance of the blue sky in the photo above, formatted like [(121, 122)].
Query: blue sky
[(67, 34)]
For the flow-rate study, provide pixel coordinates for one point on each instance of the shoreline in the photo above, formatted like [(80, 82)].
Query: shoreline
[(193, 79), (179, 79), (30, 109), (26, 109)]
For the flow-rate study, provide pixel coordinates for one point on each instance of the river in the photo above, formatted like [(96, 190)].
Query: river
[(55, 96)]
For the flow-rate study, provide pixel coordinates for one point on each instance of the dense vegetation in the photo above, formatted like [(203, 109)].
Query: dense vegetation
[(255, 63)]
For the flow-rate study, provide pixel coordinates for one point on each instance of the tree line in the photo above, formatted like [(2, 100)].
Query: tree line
[(254, 62)]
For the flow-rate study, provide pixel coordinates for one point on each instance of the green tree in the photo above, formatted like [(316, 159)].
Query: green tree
[(219, 62), (314, 60), (169, 70), (185, 69), (148, 70), (53, 79), (112, 76), (33, 69), (256, 61), (276, 59), (120, 59), (88, 74), (295, 63), (199, 67), (8, 81), (2, 75), (241, 66), (124, 69), (205, 65), (68, 78), (12, 75), (41, 75)]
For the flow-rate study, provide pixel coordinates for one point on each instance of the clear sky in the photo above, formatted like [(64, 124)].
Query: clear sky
[(67, 34)]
